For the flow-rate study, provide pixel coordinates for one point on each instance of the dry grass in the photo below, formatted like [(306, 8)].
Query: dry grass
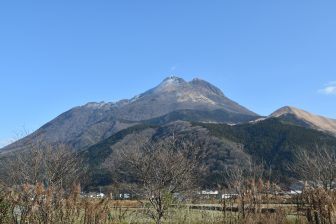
[(36, 204)]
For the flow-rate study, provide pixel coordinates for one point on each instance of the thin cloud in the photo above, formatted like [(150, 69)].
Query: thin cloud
[(173, 68), (329, 89)]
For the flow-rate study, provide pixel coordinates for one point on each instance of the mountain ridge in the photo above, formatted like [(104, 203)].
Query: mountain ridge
[(88, 124)]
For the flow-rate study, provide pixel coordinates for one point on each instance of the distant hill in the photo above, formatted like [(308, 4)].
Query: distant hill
[(271, 142), (303, 118)]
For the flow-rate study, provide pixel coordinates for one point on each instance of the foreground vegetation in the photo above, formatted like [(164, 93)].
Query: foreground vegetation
[(36, 204), (42, 185)]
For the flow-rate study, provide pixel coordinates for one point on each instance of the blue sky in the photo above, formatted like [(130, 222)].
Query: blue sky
[(264, 54)]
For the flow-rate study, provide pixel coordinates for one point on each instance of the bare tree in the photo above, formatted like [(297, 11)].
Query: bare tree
[(158, 170), (318, 167), (245, 181), (57, 166)]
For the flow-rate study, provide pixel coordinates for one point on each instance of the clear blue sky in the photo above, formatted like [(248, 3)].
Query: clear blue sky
[(55, 55)]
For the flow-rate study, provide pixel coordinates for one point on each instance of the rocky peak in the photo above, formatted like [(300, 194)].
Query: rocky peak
[(173, 79), (195, 86), (285, 110), (202, 84), (171, 83)]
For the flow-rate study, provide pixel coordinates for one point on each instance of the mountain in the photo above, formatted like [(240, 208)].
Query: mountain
[(173, 99), (303, 118), (196, 109)]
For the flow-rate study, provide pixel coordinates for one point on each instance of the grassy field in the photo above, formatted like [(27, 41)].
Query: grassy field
[(133, 212), (40, 206)]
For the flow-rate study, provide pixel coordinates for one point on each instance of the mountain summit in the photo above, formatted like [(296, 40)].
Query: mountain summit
[(173, 99), (306, 119), (173, 94)]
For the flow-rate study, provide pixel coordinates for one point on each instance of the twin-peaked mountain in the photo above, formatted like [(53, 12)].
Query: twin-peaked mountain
[(173, 99), (176, 94)]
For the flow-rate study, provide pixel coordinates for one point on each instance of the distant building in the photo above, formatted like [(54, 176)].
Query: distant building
[(209, 192), (229, 195)]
